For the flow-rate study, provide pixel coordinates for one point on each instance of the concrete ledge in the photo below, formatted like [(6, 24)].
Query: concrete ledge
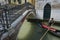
[(40, 20)]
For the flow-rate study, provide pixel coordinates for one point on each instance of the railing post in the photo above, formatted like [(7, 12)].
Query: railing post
[(5, 19)]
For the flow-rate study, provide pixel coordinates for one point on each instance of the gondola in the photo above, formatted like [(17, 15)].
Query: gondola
[(52, 31), (56, 33)]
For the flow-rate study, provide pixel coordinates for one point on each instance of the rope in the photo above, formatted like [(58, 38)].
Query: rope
[(44, 35)]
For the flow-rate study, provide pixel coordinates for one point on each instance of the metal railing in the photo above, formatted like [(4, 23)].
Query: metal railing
[(11, 16)]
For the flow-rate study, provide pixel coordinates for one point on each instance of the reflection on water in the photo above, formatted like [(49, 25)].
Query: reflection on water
[(31, 31)]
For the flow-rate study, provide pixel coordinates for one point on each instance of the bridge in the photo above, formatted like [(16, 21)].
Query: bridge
[(12, 18)]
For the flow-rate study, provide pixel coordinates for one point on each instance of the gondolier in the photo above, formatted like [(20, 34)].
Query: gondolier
[(51, 22)]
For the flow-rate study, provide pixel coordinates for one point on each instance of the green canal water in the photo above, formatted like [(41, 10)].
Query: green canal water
[(31, 31)]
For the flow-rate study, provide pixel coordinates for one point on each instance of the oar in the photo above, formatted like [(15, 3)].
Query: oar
[(44, 35), (49, 28)]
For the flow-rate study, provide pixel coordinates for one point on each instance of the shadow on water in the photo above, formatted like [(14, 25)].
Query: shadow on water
[(35, 33)]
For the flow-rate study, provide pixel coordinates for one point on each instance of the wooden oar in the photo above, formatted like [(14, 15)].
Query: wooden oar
[(44, 35), (48, 28)]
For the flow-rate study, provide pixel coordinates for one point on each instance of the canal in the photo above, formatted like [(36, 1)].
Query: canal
[(31, 31)]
